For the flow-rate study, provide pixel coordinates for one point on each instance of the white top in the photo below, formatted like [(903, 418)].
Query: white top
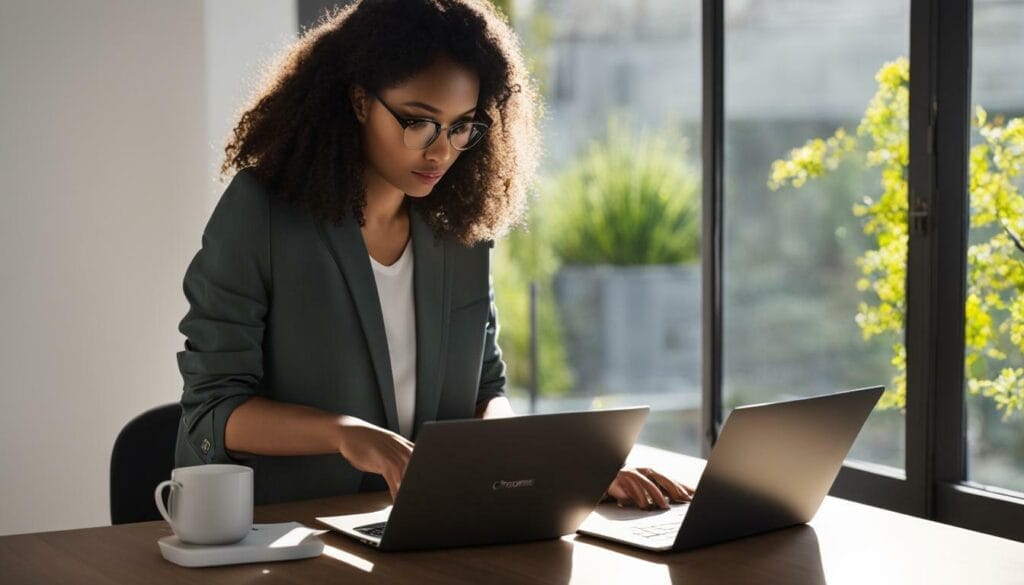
[(394, 288)]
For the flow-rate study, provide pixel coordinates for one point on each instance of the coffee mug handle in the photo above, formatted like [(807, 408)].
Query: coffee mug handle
[(158, 494)]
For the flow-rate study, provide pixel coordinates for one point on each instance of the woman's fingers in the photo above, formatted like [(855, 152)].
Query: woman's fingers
[(622, 490), (647, 488), (675, 490), (640, 490), (397, 472), (636, 493), (399, 463), (617, 492), (392, 485), (652, 492)]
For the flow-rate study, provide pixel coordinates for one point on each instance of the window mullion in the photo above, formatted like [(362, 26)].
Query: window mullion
[(713, 136), (951, 210)]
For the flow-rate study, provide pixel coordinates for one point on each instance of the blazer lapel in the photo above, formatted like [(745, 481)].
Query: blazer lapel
[(349, 250), (432, 284)]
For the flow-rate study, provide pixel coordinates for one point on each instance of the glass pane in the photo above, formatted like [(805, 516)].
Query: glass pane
[(613, 238), (815, 200), (995, 256)]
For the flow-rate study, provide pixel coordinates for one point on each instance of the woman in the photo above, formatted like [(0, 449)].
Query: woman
[(341, 296)]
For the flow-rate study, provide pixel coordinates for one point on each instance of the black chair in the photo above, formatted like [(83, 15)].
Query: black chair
[(143, 456)]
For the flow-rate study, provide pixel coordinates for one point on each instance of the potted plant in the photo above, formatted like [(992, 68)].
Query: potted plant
[(625, 229)]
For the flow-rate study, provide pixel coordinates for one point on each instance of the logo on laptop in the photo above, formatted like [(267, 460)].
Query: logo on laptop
[(501, 484)]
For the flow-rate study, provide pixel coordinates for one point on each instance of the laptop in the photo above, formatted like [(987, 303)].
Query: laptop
[(476, 482), (771, 468)]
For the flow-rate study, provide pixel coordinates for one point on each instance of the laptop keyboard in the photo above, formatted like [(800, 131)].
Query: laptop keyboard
[(667, 524), (374, 530), (656, 531)]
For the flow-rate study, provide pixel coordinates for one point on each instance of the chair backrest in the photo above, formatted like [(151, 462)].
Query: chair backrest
[(143, 456)]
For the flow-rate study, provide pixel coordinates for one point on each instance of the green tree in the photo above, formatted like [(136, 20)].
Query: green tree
[(994, 308)]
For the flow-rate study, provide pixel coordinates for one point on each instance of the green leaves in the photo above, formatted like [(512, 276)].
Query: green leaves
[(995, 283), (630, 199), (811, 161), (994, 308)]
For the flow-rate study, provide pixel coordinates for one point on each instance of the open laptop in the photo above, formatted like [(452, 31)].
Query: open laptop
[(474, 482), (771, 468)]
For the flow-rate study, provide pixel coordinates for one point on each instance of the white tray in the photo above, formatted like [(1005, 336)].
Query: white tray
[(266, 542)]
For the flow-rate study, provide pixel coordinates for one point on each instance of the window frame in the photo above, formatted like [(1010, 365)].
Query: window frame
[(934, 481)]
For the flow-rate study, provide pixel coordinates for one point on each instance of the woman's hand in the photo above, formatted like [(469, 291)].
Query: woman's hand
[(646, 488), (372, 449)]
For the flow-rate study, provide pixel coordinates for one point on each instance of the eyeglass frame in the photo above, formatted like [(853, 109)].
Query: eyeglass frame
[(405, 122)]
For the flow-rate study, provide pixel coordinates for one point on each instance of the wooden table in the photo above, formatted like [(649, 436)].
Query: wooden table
[(845, 543)]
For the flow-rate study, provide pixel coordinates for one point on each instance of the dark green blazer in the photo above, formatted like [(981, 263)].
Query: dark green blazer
[(285, 306)]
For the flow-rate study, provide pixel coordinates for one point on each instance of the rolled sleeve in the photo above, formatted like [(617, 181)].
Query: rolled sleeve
[(227, 287)]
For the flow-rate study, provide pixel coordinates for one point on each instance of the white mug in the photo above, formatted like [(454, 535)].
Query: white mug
[(208, 504)]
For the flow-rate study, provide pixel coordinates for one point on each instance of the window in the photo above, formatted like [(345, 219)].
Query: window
[(960, 457), (612, 248), (995, 276), (812, 266)]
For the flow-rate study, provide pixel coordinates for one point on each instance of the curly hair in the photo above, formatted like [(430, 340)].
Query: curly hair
[(300, 136)]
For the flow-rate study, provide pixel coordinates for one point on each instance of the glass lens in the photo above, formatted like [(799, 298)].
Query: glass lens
[(420, 133), (467, 134)]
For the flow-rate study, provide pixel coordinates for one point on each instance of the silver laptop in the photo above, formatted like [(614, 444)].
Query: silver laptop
[(474, 482), (771, 467)]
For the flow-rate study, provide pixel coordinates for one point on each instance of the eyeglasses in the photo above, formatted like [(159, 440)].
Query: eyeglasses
[(419, 133)]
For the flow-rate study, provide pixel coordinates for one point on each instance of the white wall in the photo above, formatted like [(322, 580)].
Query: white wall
[(112, 119), (243, 37)]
